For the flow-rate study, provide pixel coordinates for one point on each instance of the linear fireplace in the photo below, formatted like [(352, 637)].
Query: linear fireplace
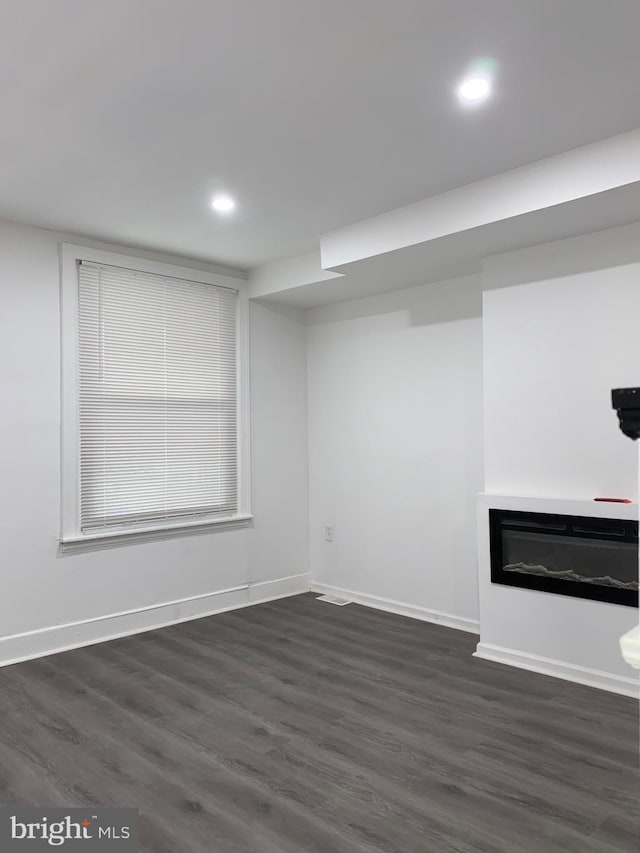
[(581, 556)]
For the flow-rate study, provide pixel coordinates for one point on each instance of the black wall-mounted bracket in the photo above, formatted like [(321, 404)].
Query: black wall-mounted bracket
[(626, 402)]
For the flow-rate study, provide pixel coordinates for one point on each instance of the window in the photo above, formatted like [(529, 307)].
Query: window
[(157, 423)]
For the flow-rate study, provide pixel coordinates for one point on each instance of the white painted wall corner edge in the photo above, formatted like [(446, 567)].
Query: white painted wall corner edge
[(413, 611), (624, 685), (61, 638)]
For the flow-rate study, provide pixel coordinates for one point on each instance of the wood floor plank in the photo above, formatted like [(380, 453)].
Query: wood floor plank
[(299, 727)]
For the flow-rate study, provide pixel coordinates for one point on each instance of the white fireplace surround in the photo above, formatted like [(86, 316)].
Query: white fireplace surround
[(572, 638)]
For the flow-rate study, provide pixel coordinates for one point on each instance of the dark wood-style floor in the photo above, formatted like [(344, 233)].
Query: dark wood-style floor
[(299, 726)]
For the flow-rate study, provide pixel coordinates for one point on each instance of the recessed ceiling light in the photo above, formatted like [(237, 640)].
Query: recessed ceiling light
[(474, 89), (222, 203)]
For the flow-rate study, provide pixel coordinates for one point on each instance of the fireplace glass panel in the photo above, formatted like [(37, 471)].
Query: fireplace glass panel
[(569, 555)]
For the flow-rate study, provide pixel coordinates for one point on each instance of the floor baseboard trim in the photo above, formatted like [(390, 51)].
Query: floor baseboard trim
[(413, 611), (62, 638), (624, 685), (262, 591)]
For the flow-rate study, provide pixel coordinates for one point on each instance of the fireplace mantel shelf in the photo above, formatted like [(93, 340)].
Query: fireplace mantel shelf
[(560, 505)]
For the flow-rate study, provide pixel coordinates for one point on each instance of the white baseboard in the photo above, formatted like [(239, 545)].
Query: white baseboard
[(624, 685), (61, 638), (413, 611), (262, 591)]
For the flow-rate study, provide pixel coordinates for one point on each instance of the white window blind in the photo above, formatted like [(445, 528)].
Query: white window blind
[(157, 404)]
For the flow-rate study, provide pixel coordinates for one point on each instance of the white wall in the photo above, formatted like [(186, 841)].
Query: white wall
[(280, 546), (41, 589), (553, 350), (395, 447), (555, 344)]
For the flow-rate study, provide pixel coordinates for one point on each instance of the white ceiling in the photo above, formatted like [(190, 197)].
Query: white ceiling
[(121, 118), (462, 253)]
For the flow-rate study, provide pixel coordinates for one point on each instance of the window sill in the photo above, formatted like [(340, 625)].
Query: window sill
[(112, 538)]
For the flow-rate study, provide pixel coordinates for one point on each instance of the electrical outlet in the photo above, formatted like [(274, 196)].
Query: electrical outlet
[(328, 533)]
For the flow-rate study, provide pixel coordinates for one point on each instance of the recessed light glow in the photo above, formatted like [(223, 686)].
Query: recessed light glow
[(222, 203), (474, 89)]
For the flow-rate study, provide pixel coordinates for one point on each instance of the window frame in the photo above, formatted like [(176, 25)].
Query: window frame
[(71, 536)]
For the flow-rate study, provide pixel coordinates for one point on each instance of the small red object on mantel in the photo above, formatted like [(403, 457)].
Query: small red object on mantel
[(615, 500)]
